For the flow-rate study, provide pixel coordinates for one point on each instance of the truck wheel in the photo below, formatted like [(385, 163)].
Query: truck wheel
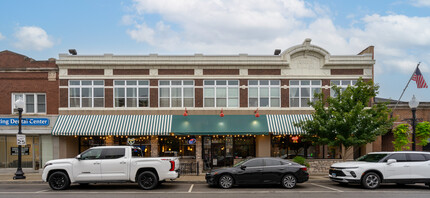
[(289, 181), (59, 181), (147, 180), (371, 180)]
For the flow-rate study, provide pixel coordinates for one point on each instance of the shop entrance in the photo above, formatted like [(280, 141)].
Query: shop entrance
[(217, 152)]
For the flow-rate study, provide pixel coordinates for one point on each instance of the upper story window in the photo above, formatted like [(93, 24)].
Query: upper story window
[(264, 93), (343, 84), (221, 93), (131, 93), (86, 93), (34, 102), (176, 93), (303, 91)]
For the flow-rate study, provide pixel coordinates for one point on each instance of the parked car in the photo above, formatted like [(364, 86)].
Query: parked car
[(402, 167), (259, 171), (109, 164)]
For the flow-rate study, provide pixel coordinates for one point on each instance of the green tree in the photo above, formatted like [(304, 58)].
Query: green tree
[(347, 120), (401, 137), (422, 133)]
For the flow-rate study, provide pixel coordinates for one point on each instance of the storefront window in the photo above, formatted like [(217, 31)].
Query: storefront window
[(182, 146), (88, 142), (244, 147), (143, 143), (9, 155), (290, 146)]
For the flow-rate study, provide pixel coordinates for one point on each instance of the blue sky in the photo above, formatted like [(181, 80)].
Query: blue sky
[(399, 30)]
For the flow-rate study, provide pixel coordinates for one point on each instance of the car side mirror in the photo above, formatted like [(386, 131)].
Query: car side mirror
[(390, 161), (78, 157), (243, 167)]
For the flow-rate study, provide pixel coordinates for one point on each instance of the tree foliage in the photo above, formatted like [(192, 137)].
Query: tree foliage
[(347, 119), (422, 131), (401, 137)]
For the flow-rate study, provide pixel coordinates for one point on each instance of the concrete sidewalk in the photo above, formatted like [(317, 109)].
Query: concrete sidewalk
[(7, 178)]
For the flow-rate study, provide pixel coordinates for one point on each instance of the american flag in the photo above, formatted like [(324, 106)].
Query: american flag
[(419, 79)]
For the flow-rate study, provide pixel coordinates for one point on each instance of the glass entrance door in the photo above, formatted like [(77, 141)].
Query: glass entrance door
[(217, 152)]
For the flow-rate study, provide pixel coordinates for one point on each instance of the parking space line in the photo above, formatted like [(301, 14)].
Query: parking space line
[(41, 191), (326, 187), (191, 188)]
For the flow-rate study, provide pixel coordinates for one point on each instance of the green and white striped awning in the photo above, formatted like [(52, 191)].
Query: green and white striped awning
[(95, 125), (284, 124)]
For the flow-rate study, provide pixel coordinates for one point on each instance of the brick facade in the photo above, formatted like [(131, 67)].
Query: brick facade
[(85, 71), (220, 71), (17, 77), (264, 72), (175, 71), (131, 72), (346, 71)]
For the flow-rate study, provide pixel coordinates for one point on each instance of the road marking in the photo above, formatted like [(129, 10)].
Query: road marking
[(191, 188), (214, 192), (326, 187), (41, 191)]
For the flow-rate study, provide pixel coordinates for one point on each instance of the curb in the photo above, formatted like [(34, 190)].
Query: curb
[(181, 182)]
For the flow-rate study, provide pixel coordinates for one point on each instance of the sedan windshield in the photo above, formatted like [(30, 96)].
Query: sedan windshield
[(372, 157)]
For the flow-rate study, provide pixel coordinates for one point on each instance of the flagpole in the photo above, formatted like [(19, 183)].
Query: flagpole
[(404, 89)]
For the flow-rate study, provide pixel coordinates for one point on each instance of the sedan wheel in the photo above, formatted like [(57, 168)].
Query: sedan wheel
[(371, 181), (59, 181), (147, 180), (289, 181), (225, 181)]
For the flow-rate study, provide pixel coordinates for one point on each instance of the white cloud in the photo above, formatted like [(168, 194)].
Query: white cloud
[(420, 3), (260, 26), (32, 38), (2, 37)]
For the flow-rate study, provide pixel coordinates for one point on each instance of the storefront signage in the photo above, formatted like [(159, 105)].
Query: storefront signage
[(192, 141), (24, 151), (24, 121), (131, 141), (20, 140)]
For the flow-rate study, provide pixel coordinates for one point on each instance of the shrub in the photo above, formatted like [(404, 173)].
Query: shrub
[(301, 160)]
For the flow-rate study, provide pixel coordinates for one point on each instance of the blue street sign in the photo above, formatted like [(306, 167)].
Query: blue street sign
[(25, 121)]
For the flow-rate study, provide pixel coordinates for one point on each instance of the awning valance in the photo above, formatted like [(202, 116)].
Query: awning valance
[(216, 125), (88, 125), (139, 125), (284, 124)]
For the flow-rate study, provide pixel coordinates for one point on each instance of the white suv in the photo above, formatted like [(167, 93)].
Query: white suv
[(402, 167)]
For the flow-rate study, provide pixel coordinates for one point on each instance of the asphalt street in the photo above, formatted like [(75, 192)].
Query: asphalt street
[(189, 190)]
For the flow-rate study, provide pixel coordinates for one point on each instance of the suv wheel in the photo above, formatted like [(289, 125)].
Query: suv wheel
[(59, 181), (289, 181), (147, 180), (371, 180), (225, 181)]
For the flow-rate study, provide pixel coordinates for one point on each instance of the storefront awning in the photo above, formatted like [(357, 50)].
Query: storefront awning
[(89, 125), (216, 125), (284, 124)]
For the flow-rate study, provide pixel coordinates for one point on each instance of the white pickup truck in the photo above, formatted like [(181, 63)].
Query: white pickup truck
[(109, 164)]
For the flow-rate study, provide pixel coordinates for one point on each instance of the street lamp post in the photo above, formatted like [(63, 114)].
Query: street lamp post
[(20, 105), (413, 104)]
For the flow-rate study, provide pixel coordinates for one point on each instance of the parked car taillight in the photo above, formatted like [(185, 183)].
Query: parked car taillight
[(172, 165), (304, 169)]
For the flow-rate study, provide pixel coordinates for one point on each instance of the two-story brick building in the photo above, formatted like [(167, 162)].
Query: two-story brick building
[(36, 82), (211, 109)]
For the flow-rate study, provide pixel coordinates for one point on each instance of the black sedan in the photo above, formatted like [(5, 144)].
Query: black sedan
[(259, 171)]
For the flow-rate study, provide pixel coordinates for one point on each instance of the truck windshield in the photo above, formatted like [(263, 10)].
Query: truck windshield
[(372, 157), (136, 152)]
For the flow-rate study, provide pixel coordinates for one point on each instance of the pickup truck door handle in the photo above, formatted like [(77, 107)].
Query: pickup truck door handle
[(406, 166), (122, 163), (259, 170), (96, 163)]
